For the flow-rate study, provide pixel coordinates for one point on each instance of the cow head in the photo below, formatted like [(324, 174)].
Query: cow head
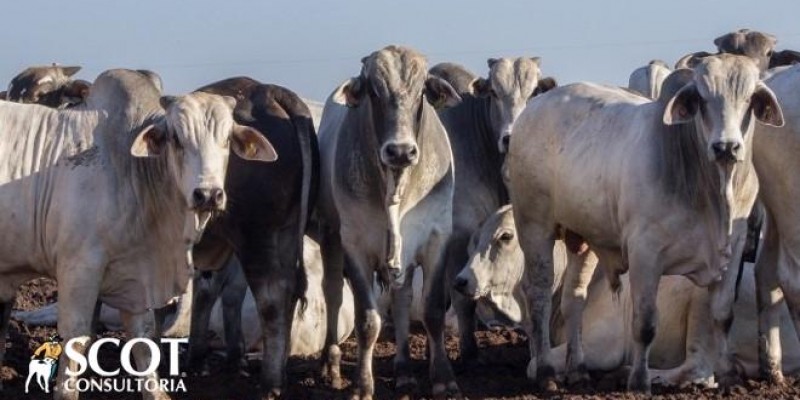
[(724, 93), (196, 135), (495, 261), (511, 83), (49, 86), (756, 45), (394, 83)]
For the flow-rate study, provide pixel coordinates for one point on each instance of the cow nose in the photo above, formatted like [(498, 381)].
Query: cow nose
[(460, 284), (726, 150), (400, 155), (208, 199)]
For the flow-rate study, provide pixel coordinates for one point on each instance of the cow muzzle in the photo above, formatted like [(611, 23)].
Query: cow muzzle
[(400, 154), (204, 200), (727, 151)]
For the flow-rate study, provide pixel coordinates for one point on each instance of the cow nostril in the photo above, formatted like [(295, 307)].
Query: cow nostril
[(200, 197), (218, 196), (505, 140), (412, 152)]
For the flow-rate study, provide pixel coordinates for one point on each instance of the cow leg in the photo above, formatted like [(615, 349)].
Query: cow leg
[(644, 279), (368, 323), (537, 284), (722, 296), (578, 275), (435, 304), (332, 287), (455, 260), (5, 314), (232, 298), (143, 326), (401, 309), (789, 278), (698, 366), (769, 297), (270, 266), (78, 294), (205, 291)]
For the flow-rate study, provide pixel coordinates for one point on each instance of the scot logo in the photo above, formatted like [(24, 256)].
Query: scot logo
[(44, 364)]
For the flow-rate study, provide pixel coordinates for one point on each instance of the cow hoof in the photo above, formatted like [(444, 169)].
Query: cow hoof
[(773, 377), (332, 379), (273, 394), (361, 396), (579, 377), (447, 391), (406, 383), (156, 396), (548, 384), (638, 382), (729, 380)]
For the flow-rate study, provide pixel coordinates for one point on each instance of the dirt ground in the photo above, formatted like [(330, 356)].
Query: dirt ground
[(500, 375)]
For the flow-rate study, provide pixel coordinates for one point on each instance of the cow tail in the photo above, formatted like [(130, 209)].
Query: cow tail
[(306, 148)]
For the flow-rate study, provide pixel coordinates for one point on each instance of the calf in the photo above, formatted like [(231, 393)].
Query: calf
[(479, 129)]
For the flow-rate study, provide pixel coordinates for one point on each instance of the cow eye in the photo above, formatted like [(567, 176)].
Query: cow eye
[(506, 236), (177, 142)]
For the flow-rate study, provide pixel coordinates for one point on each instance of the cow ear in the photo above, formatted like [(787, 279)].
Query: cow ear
[(766, 107), (682, 107), (150, 142), (350, 92), (491, 62), (544, 85), (167, 101), (481, 87), (71, 70), (77, 89), (691, 60), (250, 144), (440, 93)]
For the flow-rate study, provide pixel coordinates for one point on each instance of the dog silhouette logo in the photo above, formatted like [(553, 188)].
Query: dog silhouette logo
[(44, 363)]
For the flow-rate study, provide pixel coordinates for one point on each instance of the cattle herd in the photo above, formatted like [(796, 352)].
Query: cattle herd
[(130, 199)]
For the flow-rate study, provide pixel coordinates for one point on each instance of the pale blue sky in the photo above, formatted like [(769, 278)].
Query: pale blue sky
[(311, 46)]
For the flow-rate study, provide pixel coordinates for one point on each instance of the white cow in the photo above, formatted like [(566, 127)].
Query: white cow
[(654, 188), (648, 79), (682, 352), (776, 162), (107, 199)]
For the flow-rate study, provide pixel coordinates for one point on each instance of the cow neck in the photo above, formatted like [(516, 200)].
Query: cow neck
[(148, 196), (395, 185), (707, 188), (492, 156)]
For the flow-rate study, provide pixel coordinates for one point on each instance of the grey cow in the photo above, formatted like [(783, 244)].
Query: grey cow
[(654, 188), (479, 129), (386, 205)]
